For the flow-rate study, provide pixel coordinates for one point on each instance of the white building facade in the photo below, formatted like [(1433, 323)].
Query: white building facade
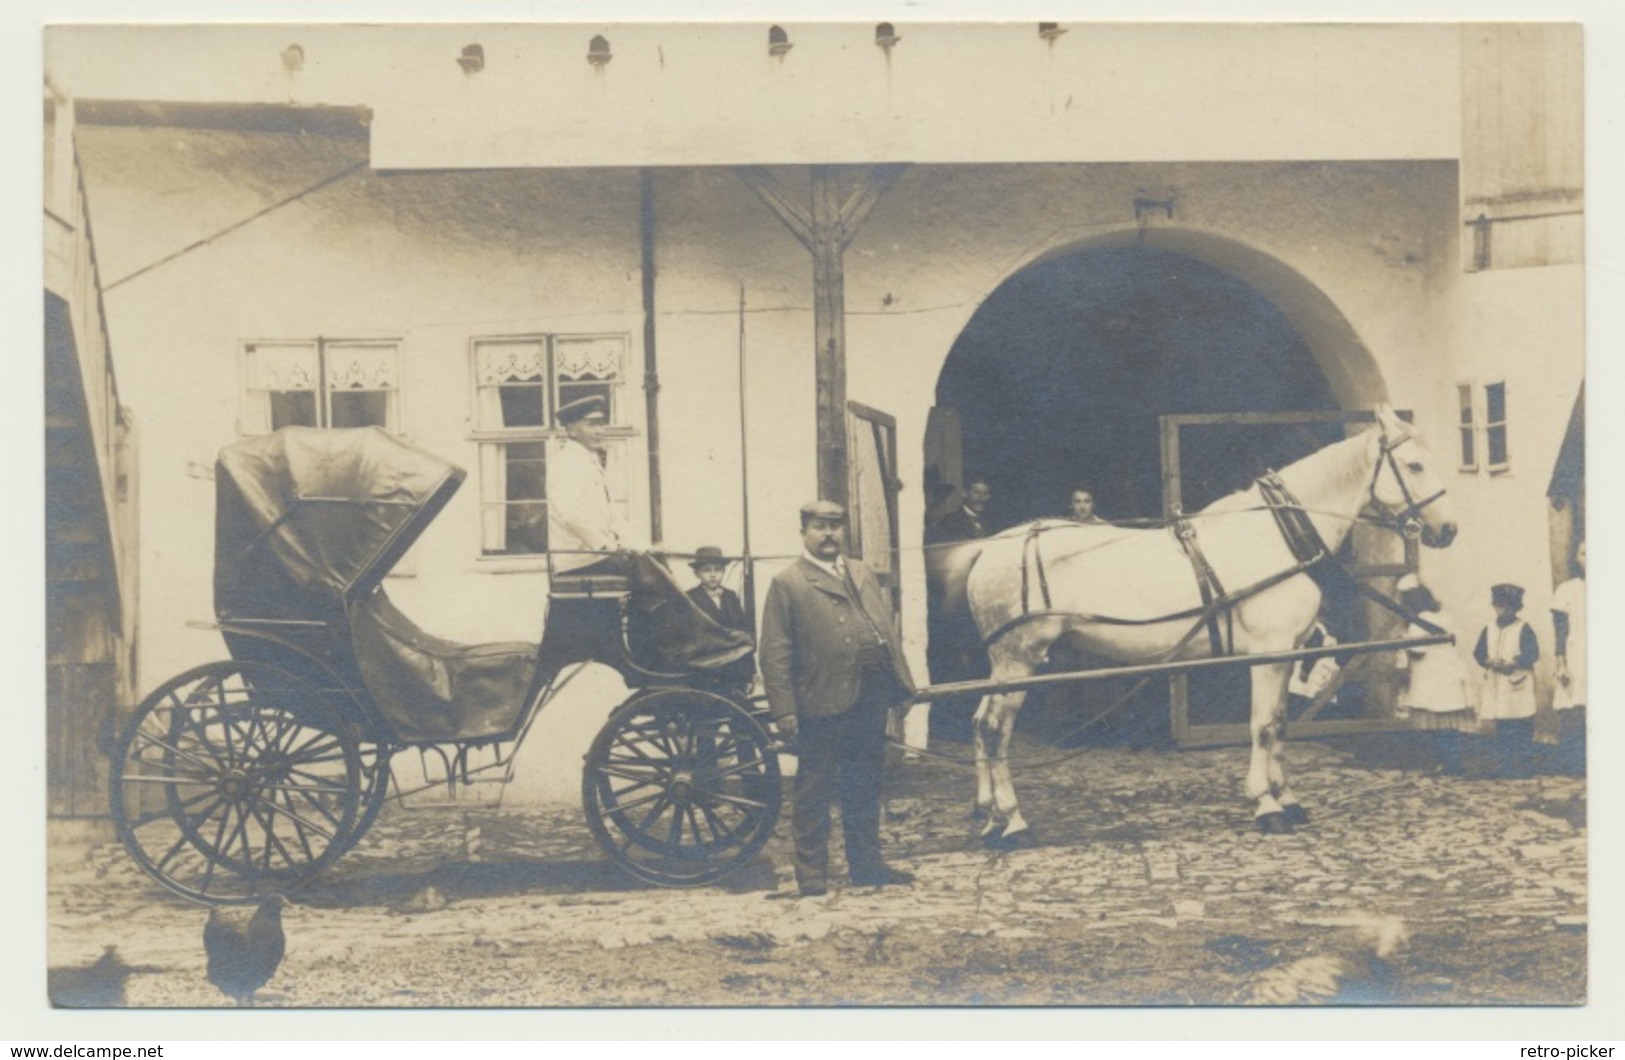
[(348, 225)]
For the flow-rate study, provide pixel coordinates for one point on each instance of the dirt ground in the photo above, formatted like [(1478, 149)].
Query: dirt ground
[(1149, 886)]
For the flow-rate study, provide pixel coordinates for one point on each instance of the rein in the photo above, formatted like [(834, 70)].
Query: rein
[(1409, 520)]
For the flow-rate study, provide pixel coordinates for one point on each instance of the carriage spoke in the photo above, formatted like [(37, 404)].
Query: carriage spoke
[(736, 770), (718, 828), (316, 804), (153, 741), (318, 785), (324, 833), (271, 838), (183, 779), (700, 843), (738, 800), (674, 834), (643, 779), (632, 834), (299, 829), (167, 811)]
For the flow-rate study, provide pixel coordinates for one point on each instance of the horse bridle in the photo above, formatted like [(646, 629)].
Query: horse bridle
[(1407, 521)]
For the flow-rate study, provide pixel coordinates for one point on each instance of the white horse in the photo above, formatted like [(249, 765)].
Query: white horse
[(1132, 596)]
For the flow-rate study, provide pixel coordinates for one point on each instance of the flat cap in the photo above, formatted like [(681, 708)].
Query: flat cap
[(1507, 594), (581, 408), (822, 510)]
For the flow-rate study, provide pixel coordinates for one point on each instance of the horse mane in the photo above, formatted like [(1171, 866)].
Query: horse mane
[(1342, 464)]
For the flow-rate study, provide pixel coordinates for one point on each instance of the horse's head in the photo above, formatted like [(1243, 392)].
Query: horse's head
[(1405, 485)]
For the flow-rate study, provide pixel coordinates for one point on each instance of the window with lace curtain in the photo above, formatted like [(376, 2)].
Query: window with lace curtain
[(519, 383), (321, 383)]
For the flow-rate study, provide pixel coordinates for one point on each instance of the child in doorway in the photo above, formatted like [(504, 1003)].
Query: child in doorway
[(1435, 693), (1507, 650)]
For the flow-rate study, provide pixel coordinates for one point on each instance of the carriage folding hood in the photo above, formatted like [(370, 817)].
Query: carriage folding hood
[(307, 524)]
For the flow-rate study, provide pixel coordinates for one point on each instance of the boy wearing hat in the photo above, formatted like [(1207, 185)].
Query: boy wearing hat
[(585, 537), (721, 605), (1507, 650), (718, 601), (832, 670)]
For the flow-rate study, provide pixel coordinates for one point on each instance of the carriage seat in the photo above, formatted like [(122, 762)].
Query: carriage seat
[(433, 689)]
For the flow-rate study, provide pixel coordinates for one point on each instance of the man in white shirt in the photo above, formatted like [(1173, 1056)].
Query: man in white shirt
[(582, 527)]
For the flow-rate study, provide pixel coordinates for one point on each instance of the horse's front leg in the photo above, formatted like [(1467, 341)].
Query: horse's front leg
[(1266, 778)]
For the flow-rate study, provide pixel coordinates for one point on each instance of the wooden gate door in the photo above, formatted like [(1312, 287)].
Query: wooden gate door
[(1213, 708), (872, 484)]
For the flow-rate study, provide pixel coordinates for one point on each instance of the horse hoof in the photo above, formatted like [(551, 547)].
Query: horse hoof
[(1022, 840), (1274, 824), (1295, 814)]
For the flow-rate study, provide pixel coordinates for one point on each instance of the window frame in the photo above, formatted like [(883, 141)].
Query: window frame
[(248, 394), (1504, 425), (487, 438), (1467, 430)]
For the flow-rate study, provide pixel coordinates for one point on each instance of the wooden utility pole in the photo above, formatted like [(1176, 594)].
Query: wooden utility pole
[(826, 227)]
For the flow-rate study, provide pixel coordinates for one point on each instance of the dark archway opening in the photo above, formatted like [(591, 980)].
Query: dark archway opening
[(1058, 381)]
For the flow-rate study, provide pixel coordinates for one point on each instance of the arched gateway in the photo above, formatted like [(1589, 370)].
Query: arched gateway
[(1154, 369)]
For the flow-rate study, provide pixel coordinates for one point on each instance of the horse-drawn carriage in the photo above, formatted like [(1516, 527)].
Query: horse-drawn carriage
[(255, 773)]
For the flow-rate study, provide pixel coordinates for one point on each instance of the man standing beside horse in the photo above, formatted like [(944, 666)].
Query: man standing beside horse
[(832, 669)]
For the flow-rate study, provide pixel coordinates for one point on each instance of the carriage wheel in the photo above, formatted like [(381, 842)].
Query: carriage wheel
[(375, 777), (681, 787), (236, 779)]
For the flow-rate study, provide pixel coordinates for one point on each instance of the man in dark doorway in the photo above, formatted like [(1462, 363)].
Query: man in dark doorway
[(968, 521), (954, 650)]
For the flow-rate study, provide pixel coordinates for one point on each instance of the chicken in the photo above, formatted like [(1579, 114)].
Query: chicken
[(1355, 971), (97, 985), (244, 950)]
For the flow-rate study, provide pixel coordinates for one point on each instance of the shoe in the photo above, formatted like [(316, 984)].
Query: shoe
[(813, 890), (884, 876)]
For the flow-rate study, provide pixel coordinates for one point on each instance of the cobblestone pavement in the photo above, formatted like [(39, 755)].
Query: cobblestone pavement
[(1149, 886)]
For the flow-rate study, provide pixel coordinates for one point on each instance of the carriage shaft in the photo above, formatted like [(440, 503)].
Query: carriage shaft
[(959, 688)]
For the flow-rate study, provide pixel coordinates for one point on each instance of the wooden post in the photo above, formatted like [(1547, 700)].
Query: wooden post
[(829, 335), (826, 227)]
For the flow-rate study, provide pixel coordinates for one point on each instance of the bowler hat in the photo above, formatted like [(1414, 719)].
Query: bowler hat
[(826, 510), (708, 556), (1507, 595), (581, 408)]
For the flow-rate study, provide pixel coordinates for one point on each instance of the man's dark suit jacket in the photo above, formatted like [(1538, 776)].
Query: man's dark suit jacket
[(731, 615), (812, 631), (957, 525)]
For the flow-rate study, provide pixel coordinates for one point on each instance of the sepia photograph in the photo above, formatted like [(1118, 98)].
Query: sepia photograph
[(778, 513)]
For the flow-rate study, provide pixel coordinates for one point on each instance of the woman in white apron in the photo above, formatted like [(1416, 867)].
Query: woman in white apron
[(1435, 695), (1507, 650), (1569, 666)]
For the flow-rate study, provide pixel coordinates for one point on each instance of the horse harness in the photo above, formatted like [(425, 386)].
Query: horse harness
[(1298, 531)]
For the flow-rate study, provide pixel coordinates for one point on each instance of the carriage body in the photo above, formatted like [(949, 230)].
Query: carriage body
[(255, 773)]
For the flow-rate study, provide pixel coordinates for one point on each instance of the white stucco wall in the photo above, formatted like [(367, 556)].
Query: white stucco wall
[(1360, 252)]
